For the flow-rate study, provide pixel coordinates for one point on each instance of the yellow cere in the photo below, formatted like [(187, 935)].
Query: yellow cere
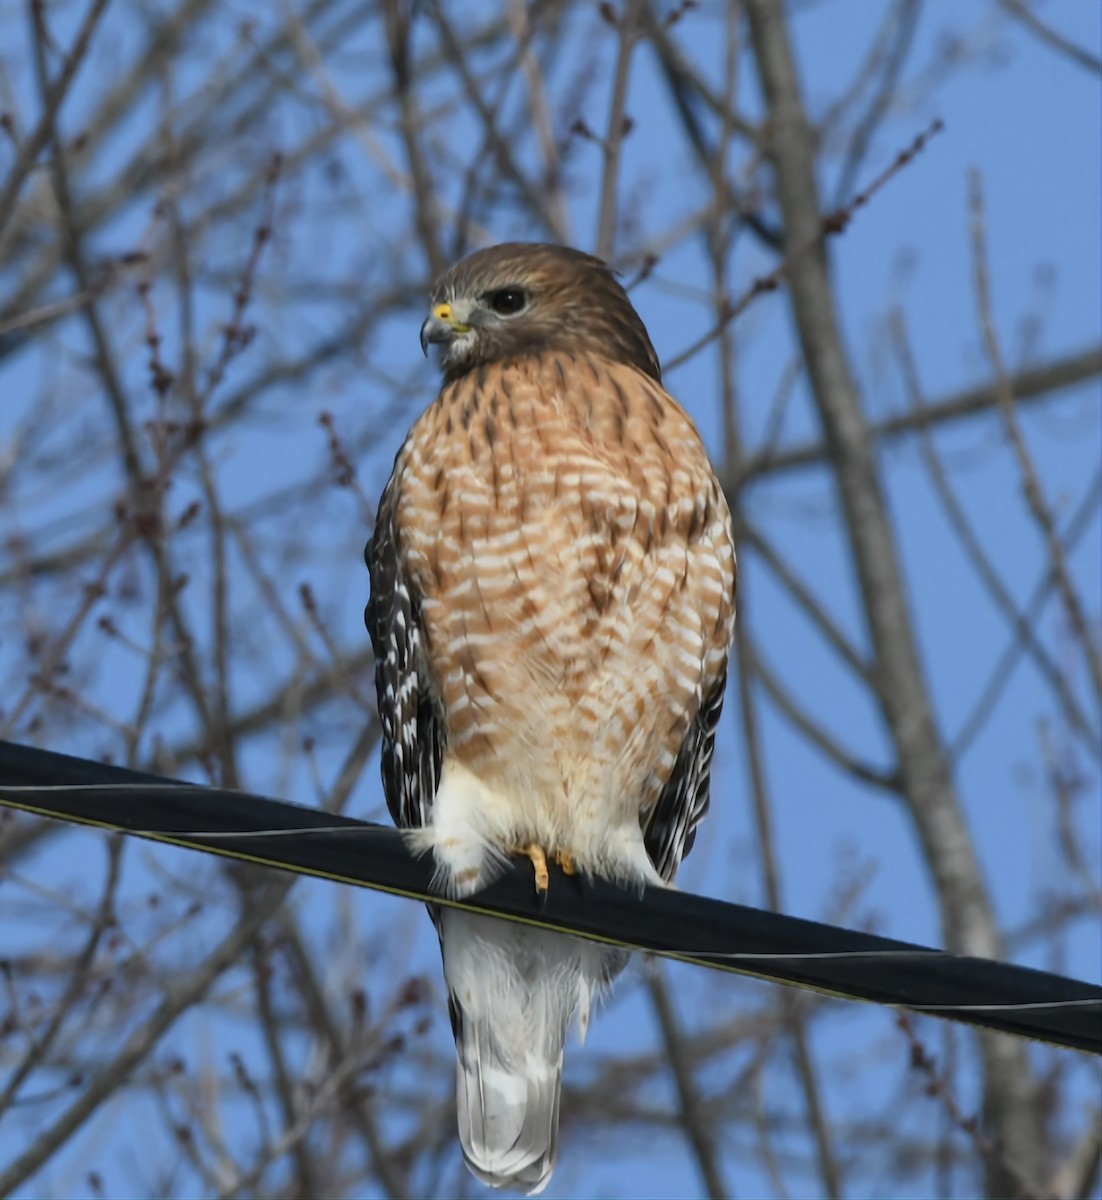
[(443, 312)]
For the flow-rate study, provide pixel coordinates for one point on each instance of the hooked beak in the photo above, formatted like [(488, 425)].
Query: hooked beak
[(442, 325)]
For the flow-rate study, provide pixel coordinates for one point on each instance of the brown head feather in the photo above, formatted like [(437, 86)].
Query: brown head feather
[(572, 302)]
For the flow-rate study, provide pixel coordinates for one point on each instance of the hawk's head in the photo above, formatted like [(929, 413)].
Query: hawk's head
[(521, 298)]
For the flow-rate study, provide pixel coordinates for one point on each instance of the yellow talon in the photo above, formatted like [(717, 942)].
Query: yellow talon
[(538, 857), (566, 860), (536, 853)]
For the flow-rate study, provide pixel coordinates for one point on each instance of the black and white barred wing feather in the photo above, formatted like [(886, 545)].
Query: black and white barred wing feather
[(670, 827), (412, 726)]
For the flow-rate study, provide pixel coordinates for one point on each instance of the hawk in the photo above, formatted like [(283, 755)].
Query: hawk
[(552, 606)]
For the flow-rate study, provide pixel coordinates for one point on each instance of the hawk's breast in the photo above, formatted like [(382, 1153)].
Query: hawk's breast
[(573, 550)]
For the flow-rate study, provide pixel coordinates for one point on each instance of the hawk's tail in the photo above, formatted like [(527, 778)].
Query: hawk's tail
[(513, 992)]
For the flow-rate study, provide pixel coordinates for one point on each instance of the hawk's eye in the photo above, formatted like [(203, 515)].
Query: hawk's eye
[(506, 301)]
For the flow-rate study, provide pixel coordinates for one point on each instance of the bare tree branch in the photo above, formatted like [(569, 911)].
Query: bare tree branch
[(1022, 10), (985, 569), (53, 96), (967, 918), (1034, 494), (694, 1120), (616, 130), (115, 1072), (1032, 384)]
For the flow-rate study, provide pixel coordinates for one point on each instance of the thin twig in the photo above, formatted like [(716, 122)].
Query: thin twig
[(1034, 493), (794, 1014), (306, 1184), (52, 655), (830, 225), (1080, 522), (58, 308), (885, 780), (1033, 384), (400, 15), (533, 194), (116, 1071), (1065, 785), (973, 548), (357, 1107), (1022, 11), (146, 498), (236, 334), (619, 125), (53, 95), (807, 600), (904, 16), (540, 112), (78, 980), (693, 1119), (940, 1089)]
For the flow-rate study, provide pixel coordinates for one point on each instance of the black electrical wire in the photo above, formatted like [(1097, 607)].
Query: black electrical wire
[(732, 937)]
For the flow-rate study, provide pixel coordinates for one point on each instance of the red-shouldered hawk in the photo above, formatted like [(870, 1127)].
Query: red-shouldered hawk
[(552, 605)]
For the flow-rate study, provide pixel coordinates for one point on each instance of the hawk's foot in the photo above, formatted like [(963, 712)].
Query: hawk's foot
[(538, 856), (565, 860)]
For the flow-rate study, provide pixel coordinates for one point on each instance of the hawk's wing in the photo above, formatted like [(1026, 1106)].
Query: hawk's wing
[(671, 825), (413, 727)]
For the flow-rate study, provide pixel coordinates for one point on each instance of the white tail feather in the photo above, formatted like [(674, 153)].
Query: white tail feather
[(516, 990)]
